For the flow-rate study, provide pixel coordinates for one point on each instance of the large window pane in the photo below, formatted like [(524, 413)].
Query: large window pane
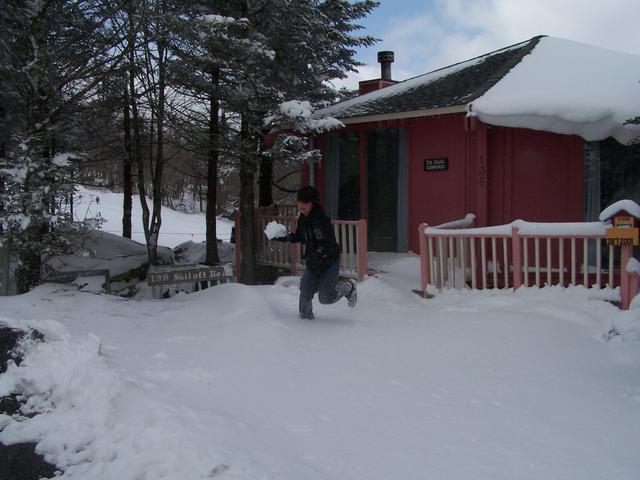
[(349, 168), (382, 186)]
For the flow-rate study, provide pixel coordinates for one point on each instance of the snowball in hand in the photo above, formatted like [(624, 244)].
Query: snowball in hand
[(275, 230)]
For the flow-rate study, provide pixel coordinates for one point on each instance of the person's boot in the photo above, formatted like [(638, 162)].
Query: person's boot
[(352, 296)]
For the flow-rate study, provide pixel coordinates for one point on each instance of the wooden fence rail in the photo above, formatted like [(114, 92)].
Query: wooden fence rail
[(351, 236), (524, 254)]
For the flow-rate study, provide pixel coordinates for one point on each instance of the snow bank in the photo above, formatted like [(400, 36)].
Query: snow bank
[(196, 252), (91, 422), (570, 88), (229, 383), (98, 250)]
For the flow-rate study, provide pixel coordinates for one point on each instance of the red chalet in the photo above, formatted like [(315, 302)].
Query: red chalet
[(537, 131)]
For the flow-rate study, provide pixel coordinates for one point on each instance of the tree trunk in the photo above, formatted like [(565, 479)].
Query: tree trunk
[(156, 218), (30, 258), (28, 271), (136, 131), (247, 202), (127, 180), (2, 187), (212, 257), (265, 181)]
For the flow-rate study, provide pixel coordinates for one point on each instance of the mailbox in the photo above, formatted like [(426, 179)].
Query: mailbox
[(624, 230)]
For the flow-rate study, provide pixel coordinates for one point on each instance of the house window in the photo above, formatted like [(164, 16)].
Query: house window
[(592, 180), (382, 185), (349, 176), (619, 172)]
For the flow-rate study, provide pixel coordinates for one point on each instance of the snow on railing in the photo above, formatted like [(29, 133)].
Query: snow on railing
[(520, 254), (350, 234), (465, 222)]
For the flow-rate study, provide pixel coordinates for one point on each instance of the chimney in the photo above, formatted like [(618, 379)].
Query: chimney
[(385, 59)]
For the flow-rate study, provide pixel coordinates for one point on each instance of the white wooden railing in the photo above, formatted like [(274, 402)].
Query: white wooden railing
[(273, 253), (522, 254), (351, 236)]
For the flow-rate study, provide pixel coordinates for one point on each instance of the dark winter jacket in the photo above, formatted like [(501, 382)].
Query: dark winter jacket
[(316, 233)]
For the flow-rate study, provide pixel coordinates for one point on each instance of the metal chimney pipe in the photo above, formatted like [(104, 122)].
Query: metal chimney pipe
[(385, 59)]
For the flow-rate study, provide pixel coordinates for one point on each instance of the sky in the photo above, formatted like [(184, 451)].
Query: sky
[(430, 34)]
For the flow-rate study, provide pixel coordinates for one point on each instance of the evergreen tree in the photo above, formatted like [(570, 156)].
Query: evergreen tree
[(211, 46), (52, 56), (311, 41)]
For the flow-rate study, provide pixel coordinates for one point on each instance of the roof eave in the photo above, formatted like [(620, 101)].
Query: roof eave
[(426, 112)]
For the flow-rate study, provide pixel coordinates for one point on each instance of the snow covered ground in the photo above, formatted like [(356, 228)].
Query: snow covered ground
[(177, 227), (228, 383)]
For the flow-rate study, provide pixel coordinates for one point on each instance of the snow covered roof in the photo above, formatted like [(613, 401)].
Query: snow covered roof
[(545, 83), (567, 87), (454, 85)]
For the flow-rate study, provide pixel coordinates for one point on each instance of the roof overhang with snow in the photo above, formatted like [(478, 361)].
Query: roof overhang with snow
[(570, 88), (545, 83)]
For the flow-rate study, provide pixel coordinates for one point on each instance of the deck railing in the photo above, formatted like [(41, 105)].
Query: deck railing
[(524, 254), (274, 253), (351, 236)]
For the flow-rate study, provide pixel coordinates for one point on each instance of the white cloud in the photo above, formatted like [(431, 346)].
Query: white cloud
[(456, 30)]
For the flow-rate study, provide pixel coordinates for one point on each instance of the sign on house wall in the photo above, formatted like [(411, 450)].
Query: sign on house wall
[(431, 164)]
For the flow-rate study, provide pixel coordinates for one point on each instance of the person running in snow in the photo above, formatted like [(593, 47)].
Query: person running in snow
[(321, 256)]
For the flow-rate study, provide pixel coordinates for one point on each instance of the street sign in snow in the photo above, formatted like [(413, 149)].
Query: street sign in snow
[(175, 275)]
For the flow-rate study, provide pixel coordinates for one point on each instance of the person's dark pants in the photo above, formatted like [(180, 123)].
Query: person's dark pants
[(325, 283)]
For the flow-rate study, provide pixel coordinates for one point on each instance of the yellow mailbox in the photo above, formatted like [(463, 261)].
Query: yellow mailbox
[(624, 230)]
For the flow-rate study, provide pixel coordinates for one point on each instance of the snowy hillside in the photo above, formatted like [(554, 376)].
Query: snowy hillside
[(228, 383), (177, 227)]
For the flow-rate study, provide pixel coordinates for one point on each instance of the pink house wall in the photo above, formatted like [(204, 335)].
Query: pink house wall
[(437, 196), (537, 176), (499, 174)]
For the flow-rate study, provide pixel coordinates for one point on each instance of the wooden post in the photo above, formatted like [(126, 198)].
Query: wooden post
[(424, 259), (481, 175), (634, 286), (362, 249), (626, 252), (517, 258)]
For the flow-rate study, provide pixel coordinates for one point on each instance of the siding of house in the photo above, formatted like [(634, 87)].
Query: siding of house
[(499, 174), (437, 196), (533, 175)]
